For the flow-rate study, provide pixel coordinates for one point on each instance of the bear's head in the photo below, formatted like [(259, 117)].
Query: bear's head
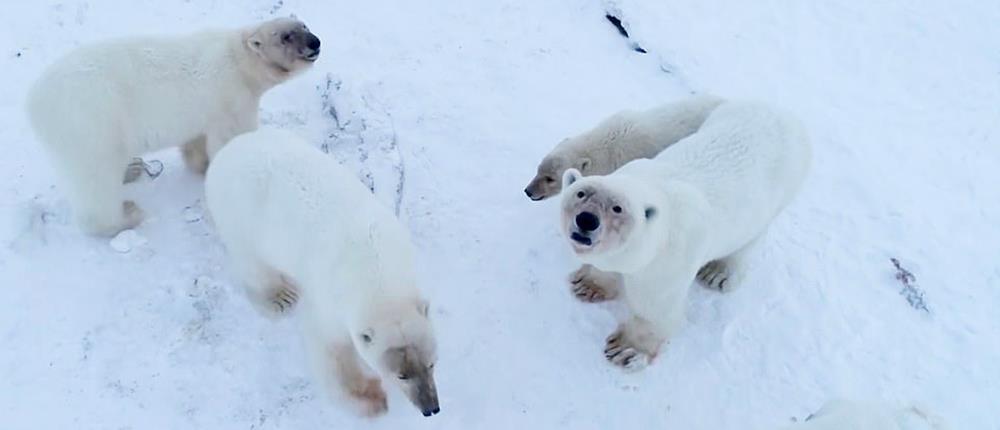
[(548, 179), (614, 221), (399, 344), (284, 45)]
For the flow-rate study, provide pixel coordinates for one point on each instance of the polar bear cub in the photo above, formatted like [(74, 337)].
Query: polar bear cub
[(692, 211), (103, 104), (849, 415), (299, 228), (625, 136)]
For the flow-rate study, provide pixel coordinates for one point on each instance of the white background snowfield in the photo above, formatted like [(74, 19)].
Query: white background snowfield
[(444, 108)]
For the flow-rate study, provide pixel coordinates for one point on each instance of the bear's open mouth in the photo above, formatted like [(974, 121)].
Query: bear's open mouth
[(581, 239)]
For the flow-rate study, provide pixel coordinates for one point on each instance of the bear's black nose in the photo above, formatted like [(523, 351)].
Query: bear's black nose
[(312, 42), (587, 222), (528, 193)]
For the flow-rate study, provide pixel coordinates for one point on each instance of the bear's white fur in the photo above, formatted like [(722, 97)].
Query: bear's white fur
[(625, 136), (298, 227), (103, 104), (660, 222), (849, 415)]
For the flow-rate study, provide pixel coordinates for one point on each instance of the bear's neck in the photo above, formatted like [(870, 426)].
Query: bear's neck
[(376, 310), (259, 75)]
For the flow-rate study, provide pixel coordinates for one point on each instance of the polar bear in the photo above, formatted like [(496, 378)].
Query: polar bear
[(848, 415), (625, 136), (103, 104), (693, 211), (300, 228)]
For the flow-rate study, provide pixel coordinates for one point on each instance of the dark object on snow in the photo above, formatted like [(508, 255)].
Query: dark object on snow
[(277, 6), (617, 22), (910, 291), (138, 167)]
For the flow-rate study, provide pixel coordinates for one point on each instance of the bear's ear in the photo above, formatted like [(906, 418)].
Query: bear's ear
[(651, 212), (254, 42), (569, 177), (423, 306), (367, 336), (584, 164)]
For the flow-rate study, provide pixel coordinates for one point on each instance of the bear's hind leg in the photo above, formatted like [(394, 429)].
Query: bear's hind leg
[(96, 194), (342, 376), (591, 285), (717, 274), (725, 274), (195, 155)]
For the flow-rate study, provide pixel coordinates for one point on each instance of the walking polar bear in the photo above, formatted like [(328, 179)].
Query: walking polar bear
[(848, 415), (298, 227), (101, 105), (693, 211)]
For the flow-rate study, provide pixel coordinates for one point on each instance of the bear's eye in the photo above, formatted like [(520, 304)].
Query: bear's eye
[(580, 195), (617, 209), (549, 179), (286, 38), (402, 376)]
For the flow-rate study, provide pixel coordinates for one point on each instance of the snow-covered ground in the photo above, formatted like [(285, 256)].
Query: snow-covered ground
[(444, 108)]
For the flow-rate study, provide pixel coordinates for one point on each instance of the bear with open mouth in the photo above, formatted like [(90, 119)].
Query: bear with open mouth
[(693, 212)]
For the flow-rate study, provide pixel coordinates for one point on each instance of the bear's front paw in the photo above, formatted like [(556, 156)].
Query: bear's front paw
[(716, 276), (590, 285), (622, 352), (370, 399)]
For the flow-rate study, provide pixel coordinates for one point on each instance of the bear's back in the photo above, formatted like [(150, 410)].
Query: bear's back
[(747, 161), (743, 153), (277, 170), (288, 195)]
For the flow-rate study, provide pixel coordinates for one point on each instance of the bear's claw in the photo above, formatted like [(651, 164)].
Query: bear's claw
[(589, 293), (589, 287), (620, 353), (285, 298), (714, 275)]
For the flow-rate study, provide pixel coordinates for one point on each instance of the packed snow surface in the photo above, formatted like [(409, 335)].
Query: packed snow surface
[(444, 108)]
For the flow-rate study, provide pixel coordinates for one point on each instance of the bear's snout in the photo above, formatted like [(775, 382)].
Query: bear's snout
[(587, 222), (309, 47), (312, 42), (530, 194)]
